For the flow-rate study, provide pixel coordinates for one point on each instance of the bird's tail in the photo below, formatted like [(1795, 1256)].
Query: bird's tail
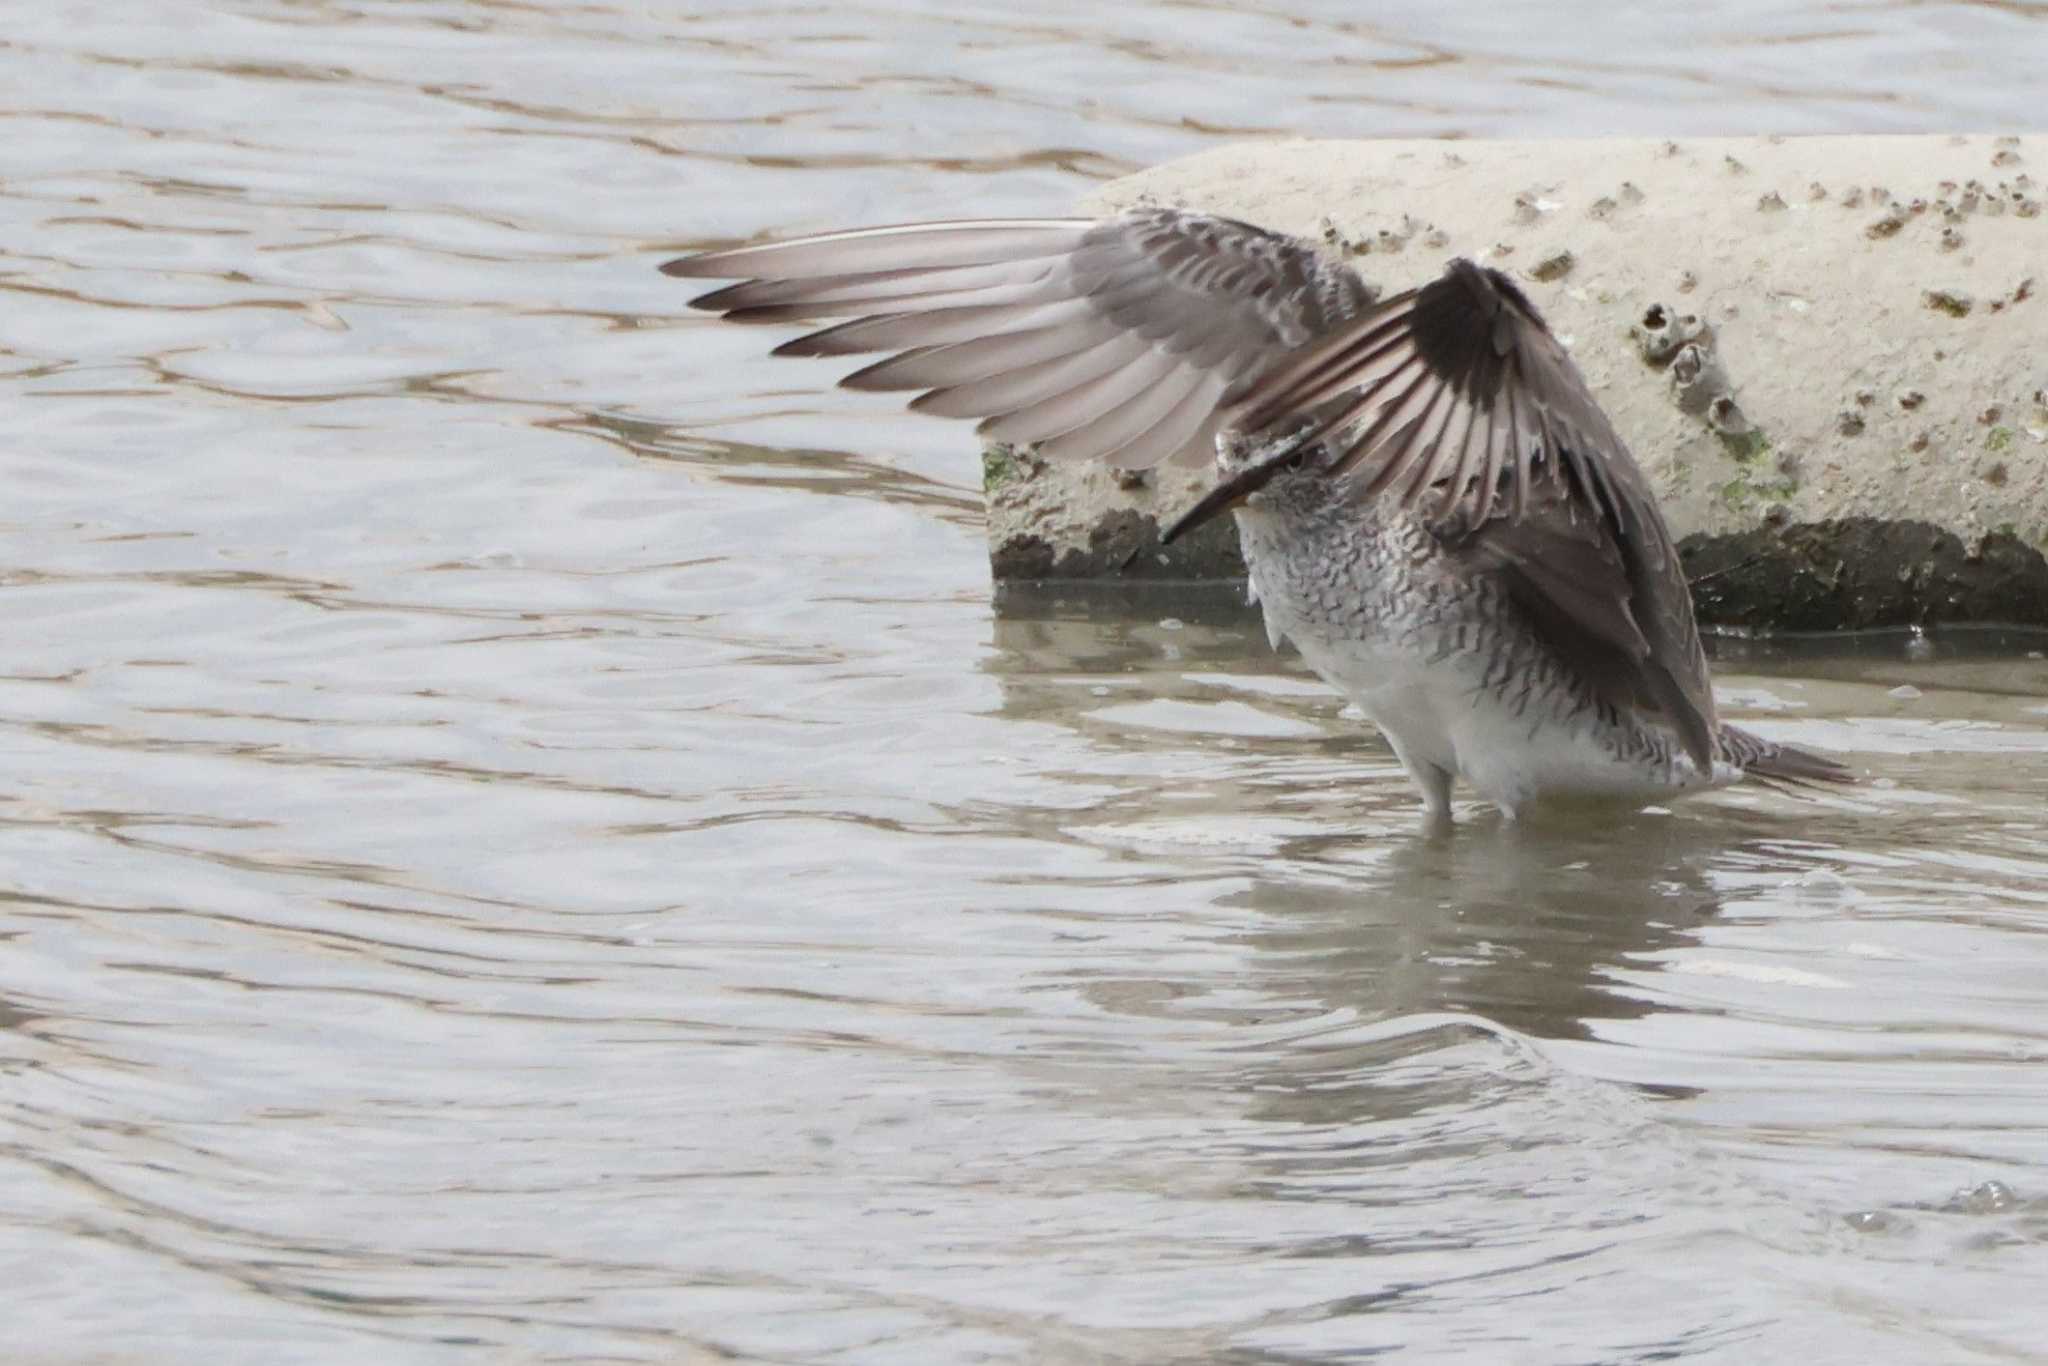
[(1775, 763)]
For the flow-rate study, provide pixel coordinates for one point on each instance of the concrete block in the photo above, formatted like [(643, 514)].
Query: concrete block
[(1830, 354)]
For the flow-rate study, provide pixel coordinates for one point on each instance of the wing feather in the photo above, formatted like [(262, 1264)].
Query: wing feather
[(829, 296), (1461, 375), (1016, 389), (941, 327), (1105, 436), (936, 365), (1171, 435), (1104, 339), (921, 246), (1064, 412)]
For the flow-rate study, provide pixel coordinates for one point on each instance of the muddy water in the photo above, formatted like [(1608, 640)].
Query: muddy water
[(523, 837)]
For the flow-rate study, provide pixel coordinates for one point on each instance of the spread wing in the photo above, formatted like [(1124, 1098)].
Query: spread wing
[(1456, 401), (1135, 339), (1124, 339)]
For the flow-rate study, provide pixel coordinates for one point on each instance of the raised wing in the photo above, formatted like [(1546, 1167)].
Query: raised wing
[(1455, 401), (1124, 339), (1136, 339)]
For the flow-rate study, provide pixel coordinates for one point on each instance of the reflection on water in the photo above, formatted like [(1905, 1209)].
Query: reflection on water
[(1688, 1048), (524, 839)]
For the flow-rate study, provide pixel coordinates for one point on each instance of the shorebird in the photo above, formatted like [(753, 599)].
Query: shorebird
[(1434, 509)]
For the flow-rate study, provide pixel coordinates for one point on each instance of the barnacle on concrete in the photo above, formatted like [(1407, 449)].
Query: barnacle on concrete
[(1697, 377), (1661, 331)]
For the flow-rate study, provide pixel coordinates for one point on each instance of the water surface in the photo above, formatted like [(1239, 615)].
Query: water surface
[(525, 837)]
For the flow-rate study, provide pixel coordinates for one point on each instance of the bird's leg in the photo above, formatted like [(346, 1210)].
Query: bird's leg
[(1434, 782)]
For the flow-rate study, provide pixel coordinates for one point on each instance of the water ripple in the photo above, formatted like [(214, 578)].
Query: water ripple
[(525, 840)]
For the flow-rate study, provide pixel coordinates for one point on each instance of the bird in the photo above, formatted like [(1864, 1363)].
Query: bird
[(1433, 507)]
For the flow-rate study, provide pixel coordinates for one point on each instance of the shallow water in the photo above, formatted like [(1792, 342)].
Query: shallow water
[(525, 838)]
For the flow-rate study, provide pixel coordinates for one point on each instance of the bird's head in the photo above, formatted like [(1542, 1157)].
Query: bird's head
[(1245, 467)]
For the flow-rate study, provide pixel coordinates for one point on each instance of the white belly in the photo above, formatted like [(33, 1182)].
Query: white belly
[(1452, 676), (1441, 714)]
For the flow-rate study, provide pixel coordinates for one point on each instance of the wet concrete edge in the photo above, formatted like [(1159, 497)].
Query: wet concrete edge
[(1847, 574)]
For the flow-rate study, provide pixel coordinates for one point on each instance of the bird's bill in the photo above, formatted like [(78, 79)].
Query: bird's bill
[(1228, 494)]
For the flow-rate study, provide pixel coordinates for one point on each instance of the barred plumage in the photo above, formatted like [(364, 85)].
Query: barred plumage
[(1428, 465)]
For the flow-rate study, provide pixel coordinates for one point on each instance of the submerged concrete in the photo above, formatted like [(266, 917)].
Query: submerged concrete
[(1829, 354)]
